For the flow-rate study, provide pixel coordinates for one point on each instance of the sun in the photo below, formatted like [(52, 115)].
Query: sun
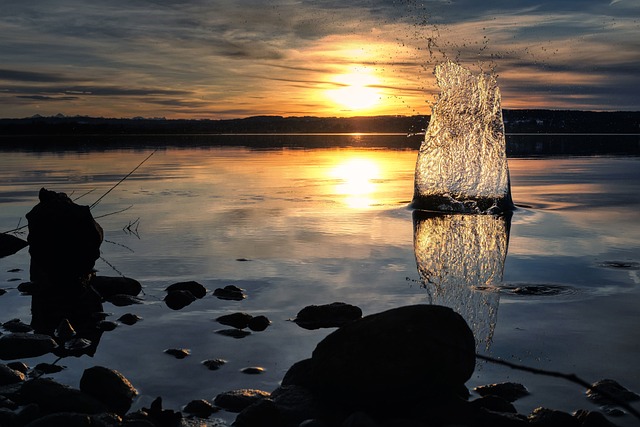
[(355, 91)]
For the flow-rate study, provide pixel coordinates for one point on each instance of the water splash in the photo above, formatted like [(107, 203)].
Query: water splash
[(462, 162)]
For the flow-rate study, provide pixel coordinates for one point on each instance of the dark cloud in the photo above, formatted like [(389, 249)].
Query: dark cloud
[(47, 98), (30, 76)]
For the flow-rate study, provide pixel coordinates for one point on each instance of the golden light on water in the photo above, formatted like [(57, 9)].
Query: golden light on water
[(356, 181)]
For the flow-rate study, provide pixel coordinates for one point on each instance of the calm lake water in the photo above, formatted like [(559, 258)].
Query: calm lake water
[(295, 227)]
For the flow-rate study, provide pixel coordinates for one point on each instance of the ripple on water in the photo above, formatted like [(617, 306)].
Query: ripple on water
[(526, 290), (621, 265)]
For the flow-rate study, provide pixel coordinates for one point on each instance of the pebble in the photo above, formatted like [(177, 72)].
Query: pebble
[(178, 353)]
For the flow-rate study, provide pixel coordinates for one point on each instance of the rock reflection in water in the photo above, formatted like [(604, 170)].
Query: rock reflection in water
[(460, 259)]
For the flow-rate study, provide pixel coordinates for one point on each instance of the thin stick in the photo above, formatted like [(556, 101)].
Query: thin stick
[(125, 177), (569, 377)]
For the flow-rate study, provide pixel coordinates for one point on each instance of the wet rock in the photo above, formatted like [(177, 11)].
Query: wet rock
[(64, 240), (19, 366), (163, 417), (2, 291), (129, 319), (16, 325), (592, 419), (65, 331), (10, 244), (417, 351), (253, 370), (296, 404), (494, 403), (237, 400), (106, 325), (123, 300), (107, 286), (544, 417), (200, 408), (66, 419), (177, 300), (236, 320), (259, 323), (110, 387), (230, 292), (214, 364), (178, 353), (233, 333), (196, 289), (28, 288), (10, 376), (49, 368), (609, 391), (508, 390), (327, 316), (22, 345), (54, 397), (263, 413)]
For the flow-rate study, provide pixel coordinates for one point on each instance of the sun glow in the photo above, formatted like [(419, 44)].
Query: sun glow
[(355, 91)]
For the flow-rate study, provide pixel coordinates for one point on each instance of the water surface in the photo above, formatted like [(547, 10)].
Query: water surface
[(295, 227)]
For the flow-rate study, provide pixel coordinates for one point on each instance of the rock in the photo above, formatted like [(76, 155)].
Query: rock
[(162, 417), (16, 325), (10, 244), (233, 333), (507, 390), (2, 291), (106, 325), (65, 330), (296, 404), (196, 289), (123, 300), (107, 286), (10, 376), (66, 419), (214, 364), (129, 319), (22, 345), (259, 323), (177, 300), (327, 316), (200, 408), (110, 387), (230, 292), (494, 403), (607, 391), (19, 366), (53, 397), (178, 353), (49, 368), (543, 417), (263, 413), (414, 351), (592, 419), (253, 370), (237, 400), (64, 240), (236, 320), (27, 288)]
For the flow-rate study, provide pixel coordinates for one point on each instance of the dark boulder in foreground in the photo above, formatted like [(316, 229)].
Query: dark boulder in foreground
[(107, 286), (327, 316), (195, 288), (54, 397), (177, 300), (10, 244), (110, 387), (414, 351)]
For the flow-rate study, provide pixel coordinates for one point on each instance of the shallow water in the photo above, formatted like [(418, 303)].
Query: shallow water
[(295, 227)]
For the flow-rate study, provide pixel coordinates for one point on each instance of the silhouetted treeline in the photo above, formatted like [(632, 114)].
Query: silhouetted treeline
[(516, 121)]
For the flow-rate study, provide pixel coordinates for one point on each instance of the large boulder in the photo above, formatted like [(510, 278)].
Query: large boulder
[(399, 357), (110, 387)]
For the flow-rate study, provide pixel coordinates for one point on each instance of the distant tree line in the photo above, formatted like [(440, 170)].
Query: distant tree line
[(516, 121)]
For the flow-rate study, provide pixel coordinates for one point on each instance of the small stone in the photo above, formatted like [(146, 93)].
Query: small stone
[(2, 291), (49, 368), (214, 364), (10, 244), (129, 319), (592, 419), (123, 300), (19, 366), (253, 370), (233, 333), (177, 300), (237, 400), (236, 320), (10, 376), (508, 390), (327, 316), (178, 353), (109, 387), (28, 288), (545, 417), (110, 286), (16, 325), (64, 330), (230, 292), (106, 325), (200, 408), (22, 345), (196, 289), (259, 323), (601, 390)]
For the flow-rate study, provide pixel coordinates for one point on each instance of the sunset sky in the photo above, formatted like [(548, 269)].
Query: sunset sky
[(237, 58)]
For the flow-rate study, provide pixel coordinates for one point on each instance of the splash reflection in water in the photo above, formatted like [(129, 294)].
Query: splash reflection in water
[(460, 260)]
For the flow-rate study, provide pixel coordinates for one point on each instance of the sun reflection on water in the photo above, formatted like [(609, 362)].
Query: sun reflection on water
[(357, 181)]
